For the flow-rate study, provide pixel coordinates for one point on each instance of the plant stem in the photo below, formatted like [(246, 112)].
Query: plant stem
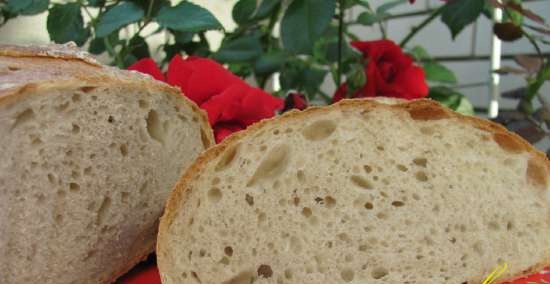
[(112, 52), (424, 23), (340, 41)]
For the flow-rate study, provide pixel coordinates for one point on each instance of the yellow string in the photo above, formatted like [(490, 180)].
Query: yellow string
[(501, 268)]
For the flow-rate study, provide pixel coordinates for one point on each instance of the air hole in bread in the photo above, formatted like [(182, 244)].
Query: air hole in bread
[(110, 119), (58, 219), (398, 203), (75, 129), (245, 277), (319, 130), (124, 150), (23, 117), (421, 176), (306, 211), (369, 206), (196, 276), (227, 158), (422, 162), (87, 89), (154, 126), (214, 195), (75, 98), (379, 272), (74, 187), (330, 202), (228, 250), (249, 199), (361, 182), (103, 210), (13, 68), (347, 275), (509, 226), (272, 165), (402, 168), (265, 271), (380, 148), (367, 168), (51, 178)]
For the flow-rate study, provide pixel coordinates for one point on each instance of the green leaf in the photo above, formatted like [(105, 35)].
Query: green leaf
[(438, 73), (312, 80), (138, 47), (16, 6), (65, 24), (117, 17), (451, 99), (243, 10), (183, 37), (187, 17), (269, 63), (304, 22), (27, 7), (96, 3), (384, 8), (97, 45), (265, 9), (465, 107), (367, 18), (458, 14), (419, 53), (239, 49)]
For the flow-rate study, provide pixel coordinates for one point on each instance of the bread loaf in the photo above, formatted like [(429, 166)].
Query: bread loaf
[(360, 192), (88, 155)]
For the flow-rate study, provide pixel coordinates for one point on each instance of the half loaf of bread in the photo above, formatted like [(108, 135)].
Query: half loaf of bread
[(88, 155), (360, 192)]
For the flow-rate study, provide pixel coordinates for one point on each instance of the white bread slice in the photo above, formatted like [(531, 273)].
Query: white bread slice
[(88, 155), (360, 192)]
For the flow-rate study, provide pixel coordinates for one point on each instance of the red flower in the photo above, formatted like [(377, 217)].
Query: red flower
[(389, 71), (295, 101), (231, 103)]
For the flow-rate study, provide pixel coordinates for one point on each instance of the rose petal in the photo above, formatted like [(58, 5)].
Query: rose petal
[(199, 78), (148, 66), (223, 130)]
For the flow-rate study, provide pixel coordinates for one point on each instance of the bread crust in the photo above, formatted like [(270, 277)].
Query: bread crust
[(422, 109), (57, 66)]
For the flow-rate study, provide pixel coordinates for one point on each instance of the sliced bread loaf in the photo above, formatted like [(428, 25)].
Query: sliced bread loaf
[(363, 191), (88, 155)]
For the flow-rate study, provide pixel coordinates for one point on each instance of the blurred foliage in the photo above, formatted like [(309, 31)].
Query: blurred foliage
[(311, 45)]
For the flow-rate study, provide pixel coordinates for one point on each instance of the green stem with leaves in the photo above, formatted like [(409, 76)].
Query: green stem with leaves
[(340, 41), (424, 23)]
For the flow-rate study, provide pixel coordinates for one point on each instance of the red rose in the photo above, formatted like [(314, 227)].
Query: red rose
[(295, 101), (230, 102), (389, 71)]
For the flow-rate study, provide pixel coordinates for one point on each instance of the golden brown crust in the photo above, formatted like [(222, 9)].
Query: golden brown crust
[(30, 70), (418, 109)]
